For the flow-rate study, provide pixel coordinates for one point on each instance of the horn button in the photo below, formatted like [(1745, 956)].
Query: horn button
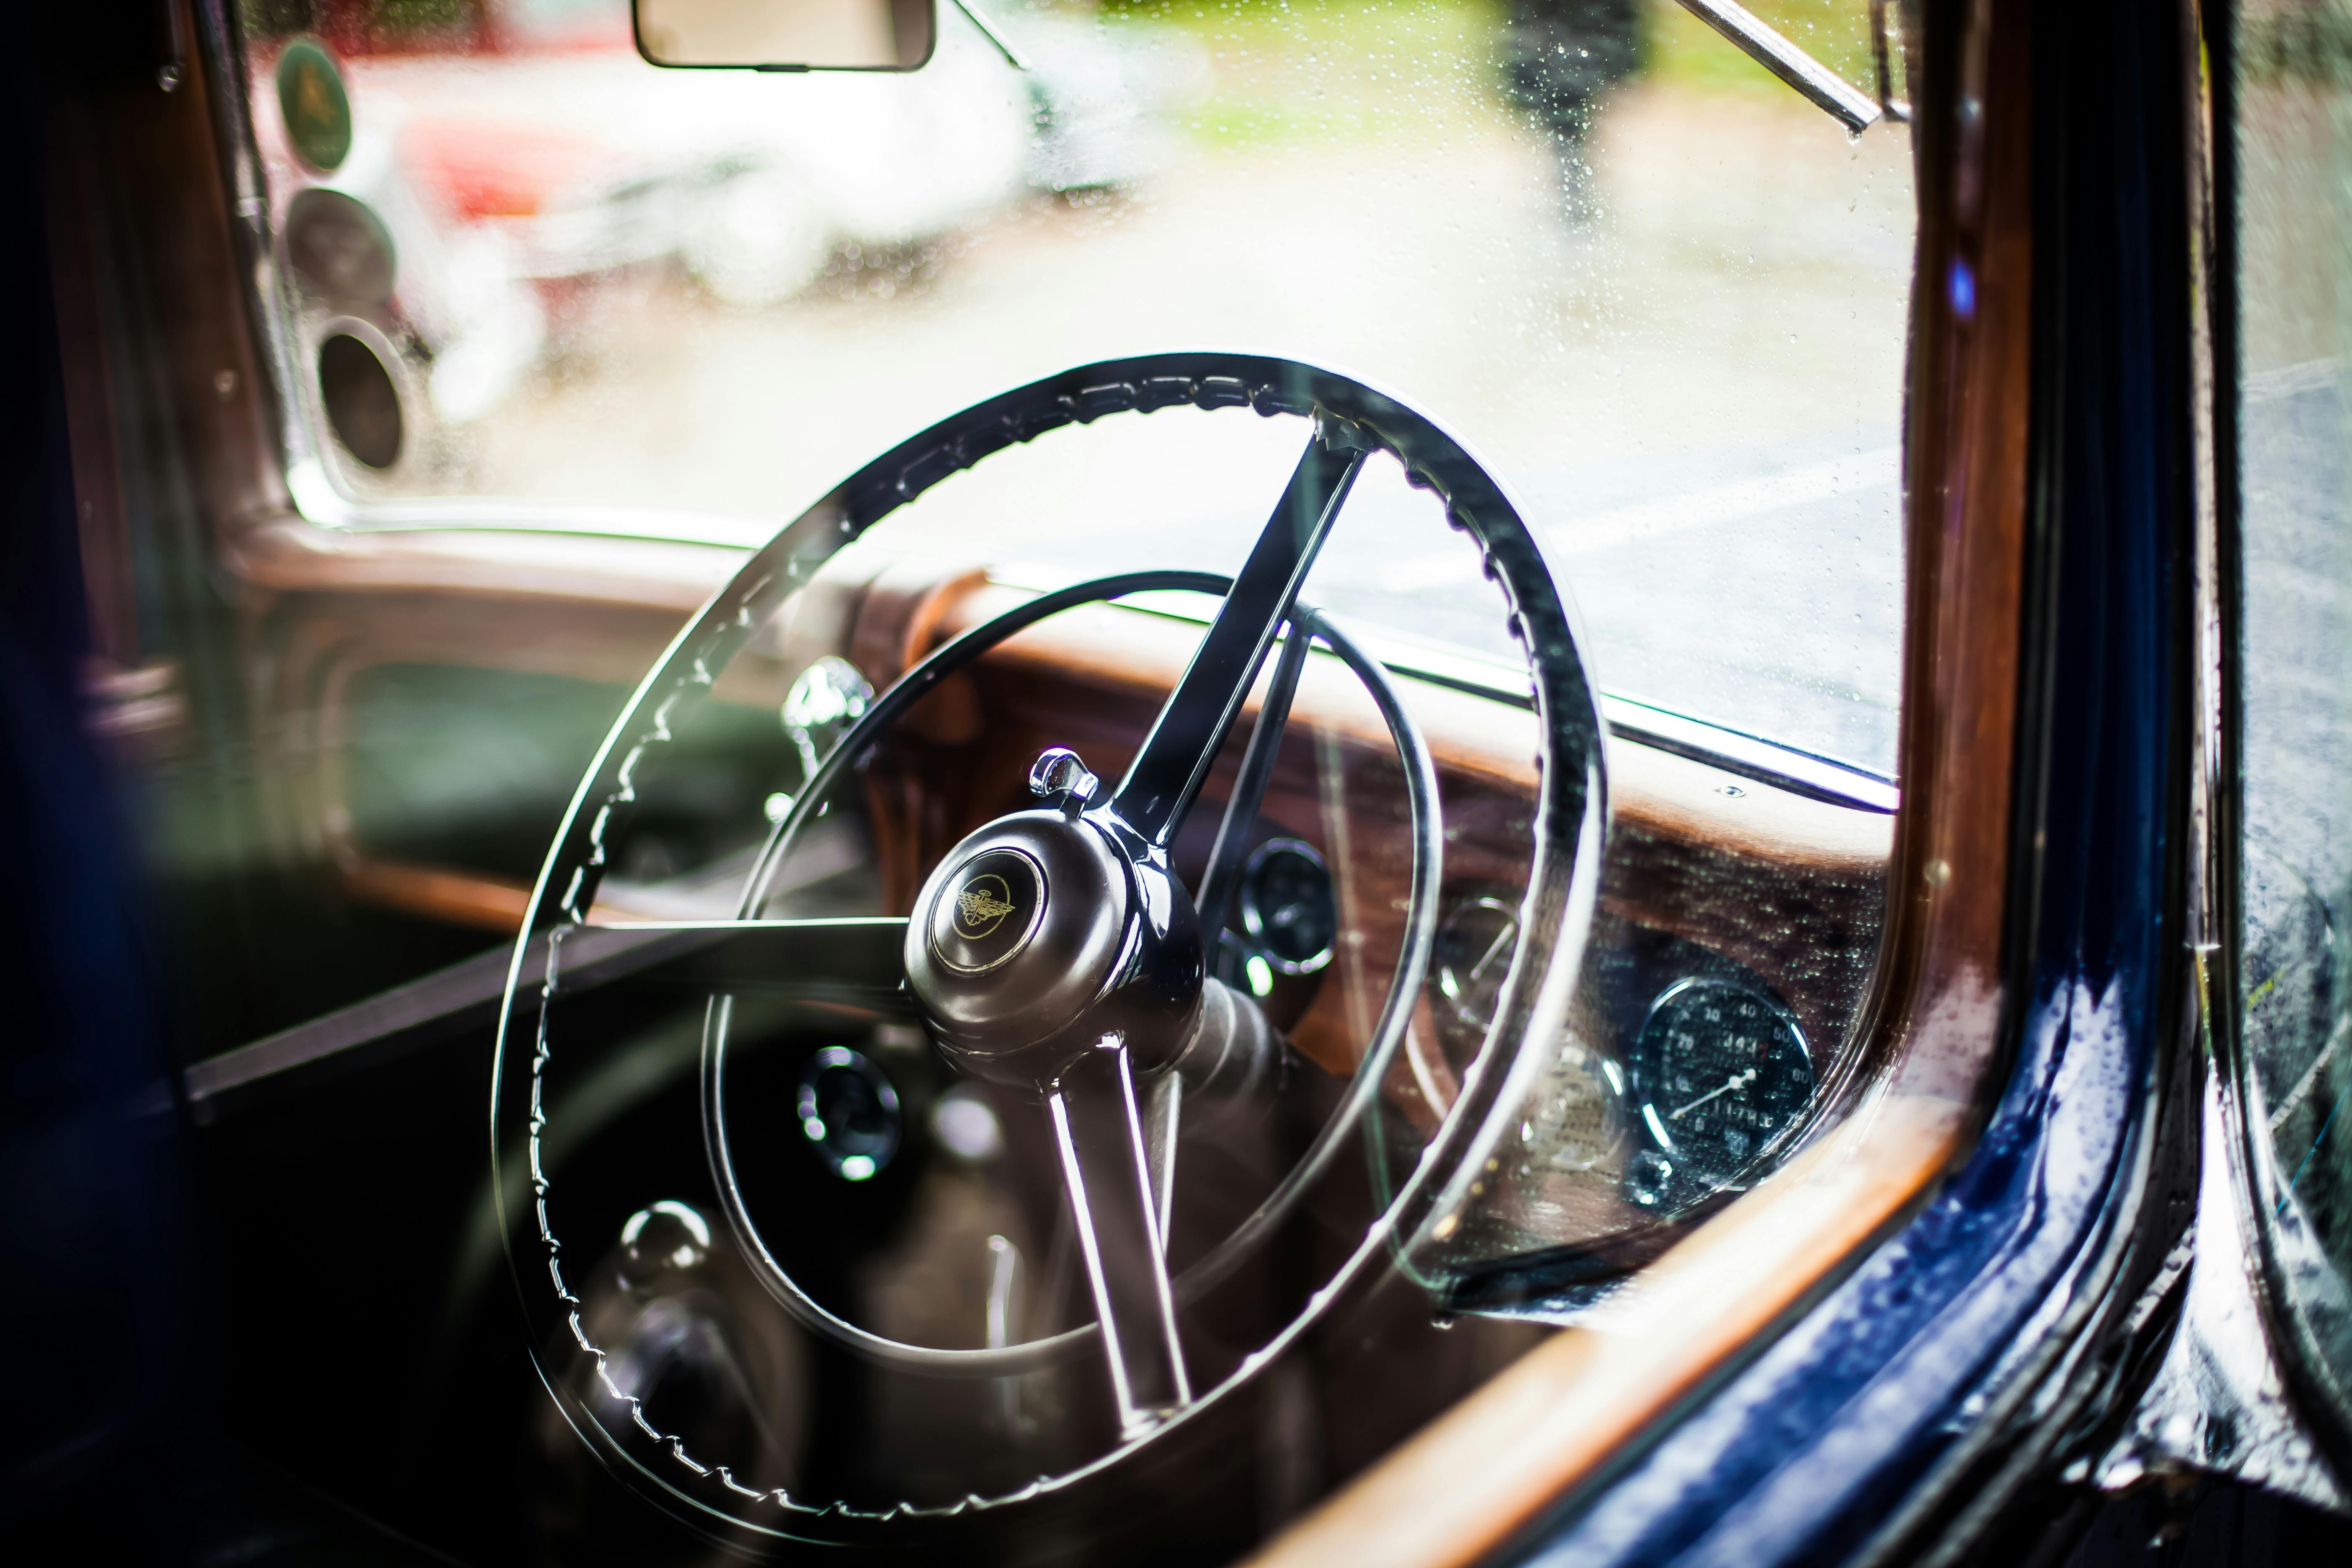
[(987, 916), (1041, 935)]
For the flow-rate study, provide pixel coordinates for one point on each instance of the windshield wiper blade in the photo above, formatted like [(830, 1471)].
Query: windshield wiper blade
[(993, 34), (1848, 104)]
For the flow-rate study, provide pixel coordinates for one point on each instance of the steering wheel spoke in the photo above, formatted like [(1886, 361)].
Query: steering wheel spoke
[(1215, 896), (853, 960), (1175, 758), (1108, 1174)]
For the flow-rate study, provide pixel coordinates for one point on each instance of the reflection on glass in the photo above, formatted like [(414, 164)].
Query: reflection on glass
[(1661, 291), (2294, 133), (1662, 296), (828, 35)]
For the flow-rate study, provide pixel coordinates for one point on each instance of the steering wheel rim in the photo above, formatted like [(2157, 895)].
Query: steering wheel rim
[(1568, 826)]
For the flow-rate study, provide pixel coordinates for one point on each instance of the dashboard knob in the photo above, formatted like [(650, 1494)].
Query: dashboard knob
[(1059, 771)]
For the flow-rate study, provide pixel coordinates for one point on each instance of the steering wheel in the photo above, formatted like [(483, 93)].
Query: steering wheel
[(1055, 952)]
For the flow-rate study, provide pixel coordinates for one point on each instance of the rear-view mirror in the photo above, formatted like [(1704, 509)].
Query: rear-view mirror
[(787, 34)]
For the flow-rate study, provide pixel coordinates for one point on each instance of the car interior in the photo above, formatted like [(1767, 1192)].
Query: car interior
[(1483, 991), (825, 881)]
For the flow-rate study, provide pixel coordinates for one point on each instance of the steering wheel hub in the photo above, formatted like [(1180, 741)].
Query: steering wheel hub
[(1042, 933)]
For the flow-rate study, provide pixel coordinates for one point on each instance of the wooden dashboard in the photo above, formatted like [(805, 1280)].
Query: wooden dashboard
[(1786, 887), (1783, 885)]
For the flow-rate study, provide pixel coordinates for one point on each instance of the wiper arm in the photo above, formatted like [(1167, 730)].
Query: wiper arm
[(993, 34), (1848, 104)]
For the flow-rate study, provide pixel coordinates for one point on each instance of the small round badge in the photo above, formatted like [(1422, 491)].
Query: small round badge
[(318, 112), (981, 906), (985, 914)]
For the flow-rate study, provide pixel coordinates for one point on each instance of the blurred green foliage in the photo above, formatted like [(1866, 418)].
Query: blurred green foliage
[(1286, 73), (368, 22), (2301, 44)]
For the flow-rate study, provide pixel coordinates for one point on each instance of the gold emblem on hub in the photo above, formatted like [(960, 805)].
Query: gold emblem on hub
[(982, 905)]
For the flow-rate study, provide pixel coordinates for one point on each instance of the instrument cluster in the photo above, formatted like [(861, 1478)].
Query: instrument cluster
[(1682, 1078)]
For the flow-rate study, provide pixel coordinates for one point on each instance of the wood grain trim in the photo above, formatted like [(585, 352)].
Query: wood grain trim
[(1677, 821), (1139, 655), (458, 898), (328, 606), (1471, 1481), (472, 898), (1777, 832), (1789, 888), (1471, 738), (1938, 1009), (313, 647), (1464, 1482), (287, 555), (904, 611)]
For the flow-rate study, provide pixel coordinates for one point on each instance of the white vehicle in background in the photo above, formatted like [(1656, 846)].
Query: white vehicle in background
[(499, 208)]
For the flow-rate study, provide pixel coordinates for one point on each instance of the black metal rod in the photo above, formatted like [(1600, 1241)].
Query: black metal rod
[(1233, 845), (1176, 756)]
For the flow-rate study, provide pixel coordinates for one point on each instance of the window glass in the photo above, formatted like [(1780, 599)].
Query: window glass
[(553, 323), (2294, 133), (1663, 294)]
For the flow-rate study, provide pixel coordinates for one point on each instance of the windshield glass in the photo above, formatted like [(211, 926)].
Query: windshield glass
[(1662, 296), (1086, 986)]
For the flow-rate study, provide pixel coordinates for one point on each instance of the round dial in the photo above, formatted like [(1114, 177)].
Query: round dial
[(1721, 1070), (1474, 956), (1287, 906), (849, 1112)]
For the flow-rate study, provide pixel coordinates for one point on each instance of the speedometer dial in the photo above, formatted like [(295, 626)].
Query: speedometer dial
[(1721, 1071)]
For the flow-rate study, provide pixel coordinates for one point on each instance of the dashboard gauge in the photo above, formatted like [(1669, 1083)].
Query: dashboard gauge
[(358, 393), (1288, 906), (339, 250), (316, 109), (1581, 1118), (1473, 955), (848, 1113), (1720, 1071)]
